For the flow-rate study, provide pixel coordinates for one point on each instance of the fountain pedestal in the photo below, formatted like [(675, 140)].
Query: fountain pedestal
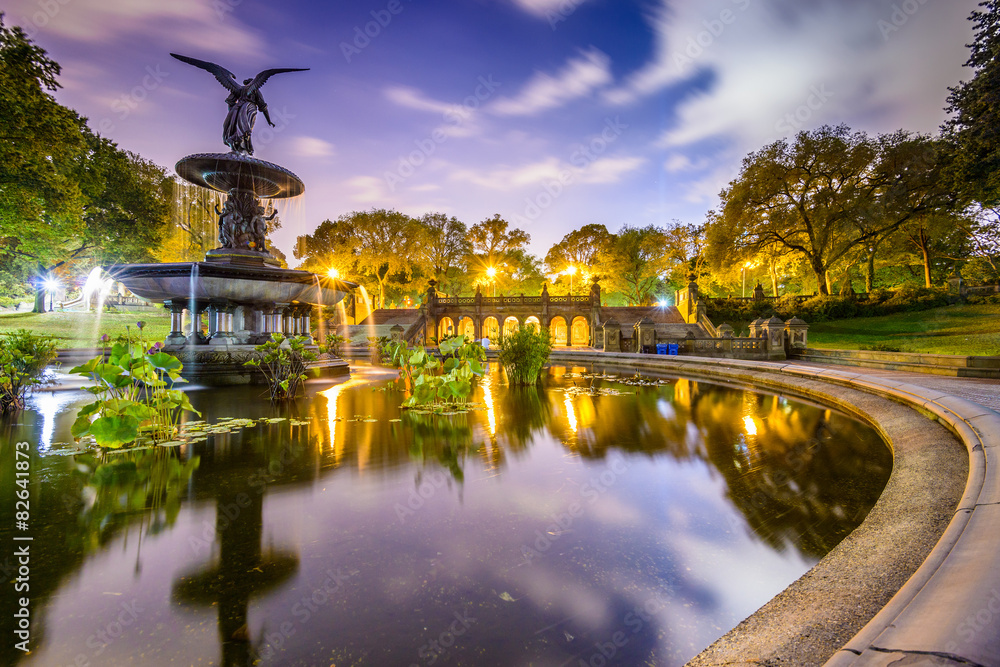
[(241, 287)]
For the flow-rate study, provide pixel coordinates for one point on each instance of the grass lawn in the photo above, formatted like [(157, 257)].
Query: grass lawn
[(963, 329), (83, 329)]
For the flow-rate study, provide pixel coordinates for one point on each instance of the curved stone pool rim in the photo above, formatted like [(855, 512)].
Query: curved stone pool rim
[(920, 577)]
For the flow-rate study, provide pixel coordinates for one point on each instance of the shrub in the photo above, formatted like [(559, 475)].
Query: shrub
[(283, 362), (335, 344), (523, 353), (23, 358), (437, 383), (135, 401)]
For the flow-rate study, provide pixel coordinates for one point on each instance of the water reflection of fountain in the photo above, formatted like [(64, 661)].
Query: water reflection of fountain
[(241, 572)]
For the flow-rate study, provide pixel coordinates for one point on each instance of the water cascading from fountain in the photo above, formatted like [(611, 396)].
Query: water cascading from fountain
[(372, 331), (91, 287)]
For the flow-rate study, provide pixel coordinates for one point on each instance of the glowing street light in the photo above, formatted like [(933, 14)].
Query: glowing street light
[(492, 273), (571, 270), (51, 285)]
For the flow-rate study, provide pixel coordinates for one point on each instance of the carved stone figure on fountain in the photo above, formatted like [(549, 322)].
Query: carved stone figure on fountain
[(229, 221), (244, 102), (258, 229)]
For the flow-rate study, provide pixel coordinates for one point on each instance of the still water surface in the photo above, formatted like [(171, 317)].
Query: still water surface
[(546, 529)]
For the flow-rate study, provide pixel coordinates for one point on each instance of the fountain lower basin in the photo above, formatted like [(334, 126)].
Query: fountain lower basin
[(236, 282)]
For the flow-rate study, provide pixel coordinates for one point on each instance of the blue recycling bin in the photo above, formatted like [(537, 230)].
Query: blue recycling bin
[(661, 348), (674, 349)]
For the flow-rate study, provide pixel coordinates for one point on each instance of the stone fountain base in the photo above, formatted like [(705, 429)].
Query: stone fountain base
[(223, 366)]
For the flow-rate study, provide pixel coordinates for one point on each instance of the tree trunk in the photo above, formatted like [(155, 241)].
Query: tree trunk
[(870, 272), (925, 251), (39, 300), (772, 271)]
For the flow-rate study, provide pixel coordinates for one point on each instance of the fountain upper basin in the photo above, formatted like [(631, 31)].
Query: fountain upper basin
[(225, 172), (229, 281)]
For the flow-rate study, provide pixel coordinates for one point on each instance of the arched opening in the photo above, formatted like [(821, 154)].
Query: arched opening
[(491, 328), (446, 327), (533, 323), (558, 331), (510, 326), (580, 332), (467, 328)]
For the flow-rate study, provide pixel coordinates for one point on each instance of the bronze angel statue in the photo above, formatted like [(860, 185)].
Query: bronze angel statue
[(244, 102)]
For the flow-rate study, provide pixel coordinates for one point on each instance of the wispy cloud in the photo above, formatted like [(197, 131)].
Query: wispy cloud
[(602, 171), (578, 79), (312, 147), (751, 69), (202, 27), (545, 7), (368, 190)]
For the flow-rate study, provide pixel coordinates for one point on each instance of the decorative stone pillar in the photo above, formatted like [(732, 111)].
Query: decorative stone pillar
[(796, 335), (307, 321), (176, 335), (396, 333), (220, 323), (645, 336), (774, 331), (756, 328), (612, 336), (725, 331), (196, 337), (758, 293)]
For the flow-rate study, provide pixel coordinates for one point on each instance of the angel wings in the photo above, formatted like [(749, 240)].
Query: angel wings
[(244, 101)]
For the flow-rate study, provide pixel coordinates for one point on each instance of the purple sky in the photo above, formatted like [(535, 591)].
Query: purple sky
[(552, 113)]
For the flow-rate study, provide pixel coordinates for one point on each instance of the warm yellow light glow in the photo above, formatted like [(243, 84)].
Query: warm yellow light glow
[(491, 272), (751, 425), (571, 414), (333, 273), (331, 395), (571, 270), (491, 415)]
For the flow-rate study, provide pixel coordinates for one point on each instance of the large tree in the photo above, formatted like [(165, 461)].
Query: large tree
[(975, 107), (635, 262), (445, 249), (829, 192), (66, 195), (382, 245), (492, 241), (580, 248)]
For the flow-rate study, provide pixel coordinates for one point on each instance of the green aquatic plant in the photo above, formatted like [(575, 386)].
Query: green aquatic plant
[(283, 362), (23, 358), (523, 353), (442, 384), (136, 401)]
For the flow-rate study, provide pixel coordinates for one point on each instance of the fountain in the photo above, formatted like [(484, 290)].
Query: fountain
[(240, 285)]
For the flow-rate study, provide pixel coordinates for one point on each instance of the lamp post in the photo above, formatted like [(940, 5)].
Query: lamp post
[(747, 265), (572, 272), (51, 285), (492, 273)]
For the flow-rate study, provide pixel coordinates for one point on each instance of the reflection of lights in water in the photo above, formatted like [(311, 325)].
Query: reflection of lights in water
[(750, 424), (570, 413), (48, 405), (331, 395), (491, 415)]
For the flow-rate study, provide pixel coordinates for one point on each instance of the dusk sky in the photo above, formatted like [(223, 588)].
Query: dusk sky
[(644, 110)]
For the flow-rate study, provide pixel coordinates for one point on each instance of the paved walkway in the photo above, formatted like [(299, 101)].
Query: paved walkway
[(984, 392)]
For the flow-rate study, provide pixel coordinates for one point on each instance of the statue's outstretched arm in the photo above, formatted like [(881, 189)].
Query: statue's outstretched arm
[(267, 117)]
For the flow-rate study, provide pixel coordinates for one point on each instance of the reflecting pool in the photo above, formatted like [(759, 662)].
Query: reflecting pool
[(583, 522)]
